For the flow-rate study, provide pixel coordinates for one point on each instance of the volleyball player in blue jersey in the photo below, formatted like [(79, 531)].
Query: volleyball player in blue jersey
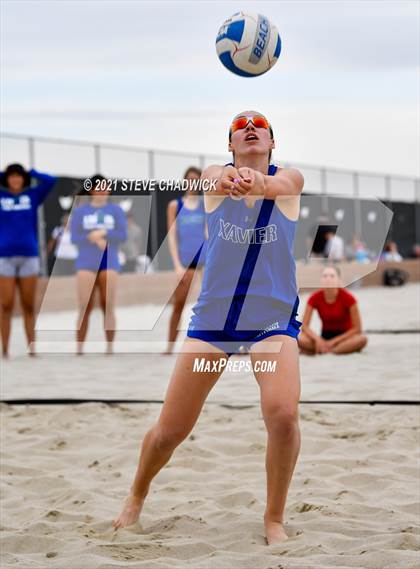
[(248, 297), (19, 260), (97, 228), (187, 234)]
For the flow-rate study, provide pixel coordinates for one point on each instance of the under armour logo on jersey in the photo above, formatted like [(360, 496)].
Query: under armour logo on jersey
[(260, 235)]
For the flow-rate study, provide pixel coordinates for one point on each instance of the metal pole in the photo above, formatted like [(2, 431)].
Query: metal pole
[(357, 208), (201, 161), (154, 235), (388, 188), (97, 153), (324, 197), (40, 217), (31, 152), (417, 211), (388, 198)]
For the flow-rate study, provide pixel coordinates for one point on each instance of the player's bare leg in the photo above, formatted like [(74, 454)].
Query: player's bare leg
[(355, 343), (179, 299), (7, 298), (107, 286), (280, 392), (306, 344), (184, 400), (27, 290), (85, 291)]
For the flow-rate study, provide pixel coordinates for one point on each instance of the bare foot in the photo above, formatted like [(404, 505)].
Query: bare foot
[(130, 512), (275, 532)]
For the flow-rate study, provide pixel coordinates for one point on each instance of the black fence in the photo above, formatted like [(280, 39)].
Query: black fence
[(369, 219)]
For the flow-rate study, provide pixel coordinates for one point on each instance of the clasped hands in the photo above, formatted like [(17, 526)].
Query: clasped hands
[(238, 182), (97, 237)]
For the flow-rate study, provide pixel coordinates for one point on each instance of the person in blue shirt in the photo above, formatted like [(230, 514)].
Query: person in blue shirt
[(19, 260), (186, 237), (248, 297), (97, 227)]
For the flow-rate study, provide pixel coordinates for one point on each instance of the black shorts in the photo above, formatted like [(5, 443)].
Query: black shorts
[(329, 334), (196, 263)]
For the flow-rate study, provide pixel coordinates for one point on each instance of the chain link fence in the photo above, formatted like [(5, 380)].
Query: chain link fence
[(81, 159)]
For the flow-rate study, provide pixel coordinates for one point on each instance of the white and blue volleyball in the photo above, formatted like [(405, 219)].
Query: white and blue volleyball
[(248, 44)]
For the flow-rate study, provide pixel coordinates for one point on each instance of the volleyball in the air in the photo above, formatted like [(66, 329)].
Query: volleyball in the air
[(248, 44)]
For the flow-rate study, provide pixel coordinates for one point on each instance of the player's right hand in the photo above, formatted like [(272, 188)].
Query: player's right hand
[(245, 183), (321, 346), (226, 182), (96, 234), (233, 183), (101, 243)]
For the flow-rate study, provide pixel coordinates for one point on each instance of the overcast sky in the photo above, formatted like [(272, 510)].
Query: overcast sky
[(344, 92)]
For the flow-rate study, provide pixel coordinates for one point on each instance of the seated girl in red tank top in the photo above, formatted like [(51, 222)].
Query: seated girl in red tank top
[(339, 313)]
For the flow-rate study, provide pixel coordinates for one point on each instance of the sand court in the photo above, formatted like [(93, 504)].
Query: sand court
[(387, 369), (353, 502)]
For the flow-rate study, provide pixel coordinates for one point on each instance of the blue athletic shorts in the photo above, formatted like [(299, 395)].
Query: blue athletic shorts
[(229, 324), (104, 265), (19, 266)]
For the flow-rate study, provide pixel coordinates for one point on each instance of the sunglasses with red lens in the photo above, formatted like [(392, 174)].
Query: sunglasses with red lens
[(242, 122)]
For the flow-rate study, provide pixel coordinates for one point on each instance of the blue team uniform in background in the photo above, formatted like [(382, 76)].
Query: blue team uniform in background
[(86, 218), (249, 289), (190, 226), (19, 217)]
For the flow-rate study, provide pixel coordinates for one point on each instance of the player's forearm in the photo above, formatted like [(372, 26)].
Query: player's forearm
[(117, 235), (44, 180), (79, 237), (275, 187), (214, 174), (173, 249)]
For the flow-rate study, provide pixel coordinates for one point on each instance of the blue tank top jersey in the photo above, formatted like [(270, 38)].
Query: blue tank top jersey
[(250, 252), (190, 225), (19, 217), (86, 218)]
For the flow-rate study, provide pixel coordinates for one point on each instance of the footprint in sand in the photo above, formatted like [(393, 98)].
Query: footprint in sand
[(305, 507), (58, 445)]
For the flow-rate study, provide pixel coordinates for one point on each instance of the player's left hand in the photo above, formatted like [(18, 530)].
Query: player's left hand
[(101, 243), (96, 234), (244, 184), (335, 341), (330, 345)]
